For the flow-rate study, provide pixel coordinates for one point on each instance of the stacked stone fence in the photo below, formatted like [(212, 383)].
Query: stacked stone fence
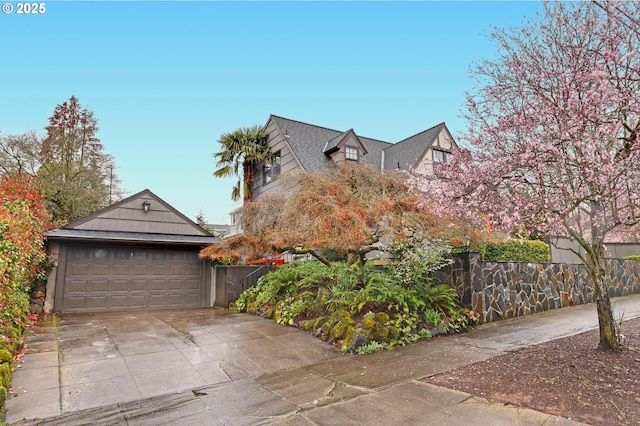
[(501, 290)]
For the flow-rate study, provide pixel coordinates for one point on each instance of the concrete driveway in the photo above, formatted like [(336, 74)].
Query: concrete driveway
[(218, 367), (107, 358)]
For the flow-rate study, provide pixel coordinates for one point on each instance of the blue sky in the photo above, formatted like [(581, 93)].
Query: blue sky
[(166, 79)]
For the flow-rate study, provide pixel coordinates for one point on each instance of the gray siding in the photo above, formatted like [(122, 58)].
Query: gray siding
[(128, 216), (288, 162)]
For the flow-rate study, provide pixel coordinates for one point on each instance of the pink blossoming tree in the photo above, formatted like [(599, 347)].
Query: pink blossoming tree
[(553, 134)]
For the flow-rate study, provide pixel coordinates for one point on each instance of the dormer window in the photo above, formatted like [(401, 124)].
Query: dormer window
[(351, 153)]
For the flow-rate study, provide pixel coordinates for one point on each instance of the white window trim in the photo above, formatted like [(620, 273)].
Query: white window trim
[(354, 150)]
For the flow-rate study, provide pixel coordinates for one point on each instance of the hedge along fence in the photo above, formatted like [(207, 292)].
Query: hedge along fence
[(501, 290), (517, 251), (23, 220)]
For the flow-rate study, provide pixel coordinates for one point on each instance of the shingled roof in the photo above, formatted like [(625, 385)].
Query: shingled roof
[(310, 143), (408, 151)]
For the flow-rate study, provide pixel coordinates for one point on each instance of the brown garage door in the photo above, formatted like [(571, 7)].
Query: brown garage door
[(116, 278)]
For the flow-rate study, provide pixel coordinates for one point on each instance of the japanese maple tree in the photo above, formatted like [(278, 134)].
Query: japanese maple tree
[(350, 208), (553, 133)]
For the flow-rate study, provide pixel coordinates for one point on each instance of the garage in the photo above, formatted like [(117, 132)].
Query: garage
[(105, 263), (103, 278)]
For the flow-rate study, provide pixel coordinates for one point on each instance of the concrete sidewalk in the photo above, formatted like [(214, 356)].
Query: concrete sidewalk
[(206, 366)]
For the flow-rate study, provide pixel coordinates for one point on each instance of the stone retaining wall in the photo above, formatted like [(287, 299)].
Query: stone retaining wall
[(500, 290)]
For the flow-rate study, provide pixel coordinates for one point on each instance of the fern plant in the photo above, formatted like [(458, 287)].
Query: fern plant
[(440, 297)]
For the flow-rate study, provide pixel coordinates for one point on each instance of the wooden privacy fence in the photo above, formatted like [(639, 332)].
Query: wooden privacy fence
[(229, 281)]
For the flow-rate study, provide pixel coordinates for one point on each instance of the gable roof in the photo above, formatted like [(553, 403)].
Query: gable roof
[(126, 220), (311, 144), (335, 144), (410, 150)]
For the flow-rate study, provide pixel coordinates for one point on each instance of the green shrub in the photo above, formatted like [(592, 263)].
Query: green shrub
[(3, 395), (425, 333), (339, 296), (517, 251), (382, 294), (406, 324), (332, 255), (282, 282), (5, 356), (370, 348), (5, 374), (432, 317), (11, 332), (295, 307), (382, 317), (441, 298), (353, 306), (415, 260), (461, 320)]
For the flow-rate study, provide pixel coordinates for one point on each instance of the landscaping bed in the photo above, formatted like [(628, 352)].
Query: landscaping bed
[(567, 377), (358, 309)]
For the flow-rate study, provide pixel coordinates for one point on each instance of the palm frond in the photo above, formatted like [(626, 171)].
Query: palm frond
[(247, 145), (223, 171)]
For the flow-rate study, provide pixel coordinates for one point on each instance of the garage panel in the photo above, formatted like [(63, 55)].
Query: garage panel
[(117, 278), (118, 284), (95, 302), (77, 286)]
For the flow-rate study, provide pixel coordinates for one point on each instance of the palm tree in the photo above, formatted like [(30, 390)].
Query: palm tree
[(246, 146)]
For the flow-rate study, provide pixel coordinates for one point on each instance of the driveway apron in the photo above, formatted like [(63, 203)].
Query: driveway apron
[(117, 357), (219, 367)]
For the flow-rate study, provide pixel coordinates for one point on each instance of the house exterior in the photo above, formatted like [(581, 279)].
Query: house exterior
[(310, 148), (618, 244), (138, 253)]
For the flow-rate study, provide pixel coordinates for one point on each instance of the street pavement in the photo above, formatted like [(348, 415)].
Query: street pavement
[(219, 367)]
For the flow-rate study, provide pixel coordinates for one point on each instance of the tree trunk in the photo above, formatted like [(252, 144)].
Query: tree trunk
[(247, 169), (608, 334), (321, 258), (609, 338), (310, 251)]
